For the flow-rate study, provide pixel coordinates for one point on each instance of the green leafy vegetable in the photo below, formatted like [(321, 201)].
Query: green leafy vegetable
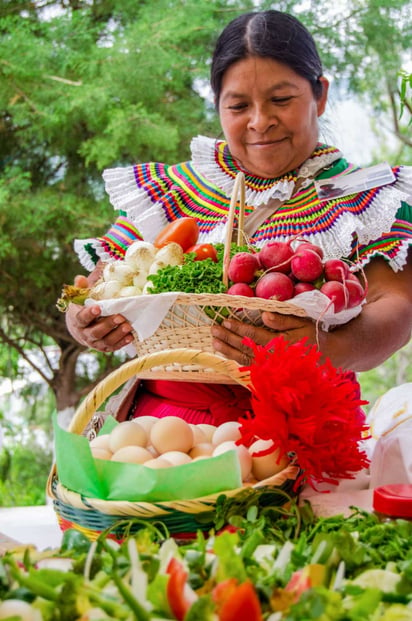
[(301, 567)]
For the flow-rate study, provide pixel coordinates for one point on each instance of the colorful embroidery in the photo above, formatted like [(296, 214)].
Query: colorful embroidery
[(151, 194)]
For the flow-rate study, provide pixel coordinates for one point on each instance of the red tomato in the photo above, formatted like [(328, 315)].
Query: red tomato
[(237, 602), (224, 590), (203, 251), (179, 594), (183, 231)]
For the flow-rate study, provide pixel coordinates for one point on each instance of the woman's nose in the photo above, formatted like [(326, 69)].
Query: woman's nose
[(261, 119)]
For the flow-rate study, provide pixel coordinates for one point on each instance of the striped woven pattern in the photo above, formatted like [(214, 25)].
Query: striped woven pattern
[(91, 516)]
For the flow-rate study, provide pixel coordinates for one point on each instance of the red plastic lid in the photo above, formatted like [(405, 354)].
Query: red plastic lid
[(394, 500)]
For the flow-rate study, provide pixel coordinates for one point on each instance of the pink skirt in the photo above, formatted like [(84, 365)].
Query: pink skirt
[(194, 402)]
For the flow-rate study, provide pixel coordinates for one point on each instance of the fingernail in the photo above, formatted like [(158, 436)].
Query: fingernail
[(226, 324), (117, 320)]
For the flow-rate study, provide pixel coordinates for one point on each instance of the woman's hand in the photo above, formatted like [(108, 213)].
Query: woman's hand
[(88, 327), (382, 327), (228, 337)]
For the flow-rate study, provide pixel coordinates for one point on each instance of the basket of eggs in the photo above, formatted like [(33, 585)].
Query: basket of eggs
[(173, 290), (120, 476)]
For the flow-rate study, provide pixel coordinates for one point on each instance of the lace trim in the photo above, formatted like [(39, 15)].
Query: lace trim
[(125, 195), (149, 217), (214, 161)]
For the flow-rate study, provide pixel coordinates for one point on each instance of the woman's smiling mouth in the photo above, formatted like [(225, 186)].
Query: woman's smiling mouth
[(266, 143)]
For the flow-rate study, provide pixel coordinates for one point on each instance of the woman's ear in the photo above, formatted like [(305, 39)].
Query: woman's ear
[(321, 102)]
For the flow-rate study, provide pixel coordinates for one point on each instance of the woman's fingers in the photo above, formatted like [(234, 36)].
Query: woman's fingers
[(228, 339), (102, 333), (81, 281)]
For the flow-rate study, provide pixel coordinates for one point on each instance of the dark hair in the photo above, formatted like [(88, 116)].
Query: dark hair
[(268, 34)]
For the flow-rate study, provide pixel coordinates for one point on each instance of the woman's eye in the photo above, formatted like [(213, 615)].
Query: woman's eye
[(239, 106), (281, 100)]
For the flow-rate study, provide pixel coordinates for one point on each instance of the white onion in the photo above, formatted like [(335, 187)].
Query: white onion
[(119, 272), (129, 291), (171, 254), (140, 255), (20, 609), (140, 277), (106, 290)]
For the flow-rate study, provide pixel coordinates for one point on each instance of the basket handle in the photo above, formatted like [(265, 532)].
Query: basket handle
[(238, 190), (119, 376)]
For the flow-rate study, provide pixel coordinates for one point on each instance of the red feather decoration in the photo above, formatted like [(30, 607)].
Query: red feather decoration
[(307, 408)]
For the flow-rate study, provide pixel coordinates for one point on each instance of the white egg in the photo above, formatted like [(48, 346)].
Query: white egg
[(225, 432), (157, 463), (100, 453), (146, 422), (177, 458), (265, 466), (203, 448), (171, 434), (152, 450), (198, 434), (245, 458), (132, 454), (127, 433), (208, 430), (101, 441)]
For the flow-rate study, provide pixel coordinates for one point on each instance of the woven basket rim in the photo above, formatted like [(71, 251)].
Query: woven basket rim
[(149, 509), (236, 301)]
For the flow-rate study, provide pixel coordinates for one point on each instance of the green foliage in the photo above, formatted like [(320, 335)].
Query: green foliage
[(24, 471), (25, 461), (395, 371), (405, 93)]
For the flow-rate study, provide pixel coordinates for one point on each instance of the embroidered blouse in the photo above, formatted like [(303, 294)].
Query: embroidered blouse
[(358, 226)]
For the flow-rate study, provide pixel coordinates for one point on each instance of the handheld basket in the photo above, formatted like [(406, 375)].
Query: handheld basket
[(191, 315), (180, 517)]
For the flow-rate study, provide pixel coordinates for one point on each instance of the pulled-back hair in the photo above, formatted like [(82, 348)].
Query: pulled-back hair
[(267, 34)]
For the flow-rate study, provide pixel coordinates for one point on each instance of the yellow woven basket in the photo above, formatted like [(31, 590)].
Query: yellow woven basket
[(180, 517), (187, 324)]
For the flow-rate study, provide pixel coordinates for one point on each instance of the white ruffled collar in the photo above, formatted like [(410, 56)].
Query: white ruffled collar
[(212, 158)]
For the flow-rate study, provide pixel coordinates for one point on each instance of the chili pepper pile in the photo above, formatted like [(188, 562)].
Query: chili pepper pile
[(271, 564)]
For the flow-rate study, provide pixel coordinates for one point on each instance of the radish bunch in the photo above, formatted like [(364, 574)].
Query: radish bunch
[(280, 272)]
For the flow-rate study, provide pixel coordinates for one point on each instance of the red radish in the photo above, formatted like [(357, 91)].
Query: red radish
[(306, 265), (274, 285), (360, 279), (301, 287), (241, 288), (336, 269), (356, 293), (309, 246), (276, 255), (352, 276), (336, 292), (243, 267)]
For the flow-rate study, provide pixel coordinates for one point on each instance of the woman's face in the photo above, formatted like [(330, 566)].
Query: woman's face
[(269, 116)]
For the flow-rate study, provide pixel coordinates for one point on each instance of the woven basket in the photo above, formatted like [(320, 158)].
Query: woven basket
[(180, 517), (187, 324)]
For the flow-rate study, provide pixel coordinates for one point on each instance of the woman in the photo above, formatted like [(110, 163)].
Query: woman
[(269, 92)]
